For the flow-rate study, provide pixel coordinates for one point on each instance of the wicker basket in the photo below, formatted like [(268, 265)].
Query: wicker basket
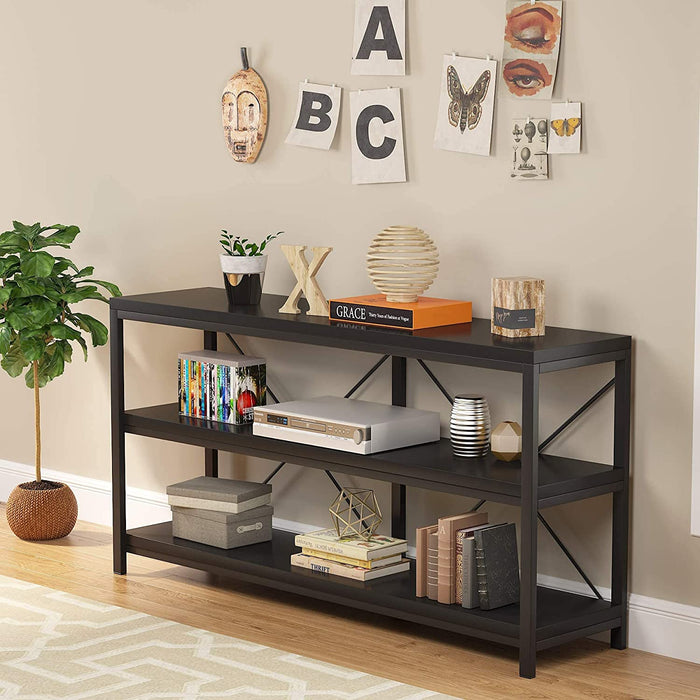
[(41, 514)]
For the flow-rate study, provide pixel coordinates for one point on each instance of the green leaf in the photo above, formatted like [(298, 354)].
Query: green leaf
[(83, 345), (62, 332), (63, 237), (30, 288), (62, 264), (6, 265), (96, 328), (13, 241), (5, 338), (85, 272), (32, 347), (37, 264), (76, 295), (13, 361), (111, 288), (5, 294), (34, 313), (65, 347), (20, 318)]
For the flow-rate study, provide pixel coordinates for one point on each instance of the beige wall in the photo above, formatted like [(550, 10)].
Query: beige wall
[(110, 120)]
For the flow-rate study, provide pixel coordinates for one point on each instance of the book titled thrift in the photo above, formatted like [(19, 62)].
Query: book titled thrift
[(355, 547)]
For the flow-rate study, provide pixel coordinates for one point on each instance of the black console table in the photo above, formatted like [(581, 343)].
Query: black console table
[(545, 617)]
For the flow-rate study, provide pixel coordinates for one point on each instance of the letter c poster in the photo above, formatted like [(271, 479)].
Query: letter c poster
[(377, 136)]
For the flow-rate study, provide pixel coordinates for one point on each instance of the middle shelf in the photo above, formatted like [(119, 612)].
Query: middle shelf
[(431, 466)]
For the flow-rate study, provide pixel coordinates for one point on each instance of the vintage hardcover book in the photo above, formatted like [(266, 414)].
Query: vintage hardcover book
[(496, 554), (358, 573), (447, 529), (432, 567), (373, 564), (355, 547), (462, 539), (375, 310), (470, 586), (422, 559)]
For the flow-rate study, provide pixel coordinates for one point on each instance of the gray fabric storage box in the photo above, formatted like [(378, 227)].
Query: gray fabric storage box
[(226, 495), (223, 530)]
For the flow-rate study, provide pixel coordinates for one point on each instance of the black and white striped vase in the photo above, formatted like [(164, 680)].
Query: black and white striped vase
[(470, 426)]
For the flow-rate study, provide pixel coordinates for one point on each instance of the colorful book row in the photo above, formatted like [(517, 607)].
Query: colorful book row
[(221, 387)]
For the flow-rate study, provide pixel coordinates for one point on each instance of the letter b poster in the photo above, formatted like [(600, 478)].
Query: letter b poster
[(316, 118)]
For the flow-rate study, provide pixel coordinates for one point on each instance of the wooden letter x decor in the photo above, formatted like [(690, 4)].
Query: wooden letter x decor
[(306, 280)]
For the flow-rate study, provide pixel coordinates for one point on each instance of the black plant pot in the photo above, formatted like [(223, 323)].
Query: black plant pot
[(247, 292)]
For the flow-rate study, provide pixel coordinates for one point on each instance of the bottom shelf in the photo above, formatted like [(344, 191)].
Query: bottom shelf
[(561, 616)]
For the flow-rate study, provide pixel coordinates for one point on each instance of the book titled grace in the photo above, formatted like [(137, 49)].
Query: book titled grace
[(375, 310)]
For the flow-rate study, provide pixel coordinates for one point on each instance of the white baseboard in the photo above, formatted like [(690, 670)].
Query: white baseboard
[(655, 625)]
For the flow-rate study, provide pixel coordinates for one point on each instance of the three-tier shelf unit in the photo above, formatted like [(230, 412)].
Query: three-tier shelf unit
[(544, 617)]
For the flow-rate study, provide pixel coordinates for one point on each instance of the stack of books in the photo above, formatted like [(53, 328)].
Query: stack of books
[(221, 387), (325, 553), (222, 513), (466, 561)]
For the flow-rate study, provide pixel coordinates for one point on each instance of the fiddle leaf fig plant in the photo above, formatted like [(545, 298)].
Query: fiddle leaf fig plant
[(38, 292)]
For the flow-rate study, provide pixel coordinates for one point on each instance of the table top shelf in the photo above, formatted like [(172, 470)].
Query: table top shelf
[(469, 343), (430, 466)]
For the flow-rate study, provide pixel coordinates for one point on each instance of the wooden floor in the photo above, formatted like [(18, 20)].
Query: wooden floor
[(81, 564)]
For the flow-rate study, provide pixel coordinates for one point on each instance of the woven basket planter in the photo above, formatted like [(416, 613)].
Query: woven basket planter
[(41, 514)]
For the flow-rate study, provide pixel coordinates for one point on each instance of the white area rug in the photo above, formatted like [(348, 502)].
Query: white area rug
[(56, 645)]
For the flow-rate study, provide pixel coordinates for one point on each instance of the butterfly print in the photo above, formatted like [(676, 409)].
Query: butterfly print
[(465, 108), (565, 127)]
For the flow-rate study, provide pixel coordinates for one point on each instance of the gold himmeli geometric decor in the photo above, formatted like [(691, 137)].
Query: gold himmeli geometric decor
[(355, 513)]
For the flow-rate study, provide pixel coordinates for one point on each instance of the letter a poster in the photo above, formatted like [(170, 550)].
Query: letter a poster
[(377, 136), (316, 118), (379, 46)]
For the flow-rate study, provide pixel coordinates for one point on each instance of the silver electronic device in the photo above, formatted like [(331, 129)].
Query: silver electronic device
[(350, 425)]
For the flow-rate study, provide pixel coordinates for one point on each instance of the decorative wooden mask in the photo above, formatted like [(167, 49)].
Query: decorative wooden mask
[(244, 113)]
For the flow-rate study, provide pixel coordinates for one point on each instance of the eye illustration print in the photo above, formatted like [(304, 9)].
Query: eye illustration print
[(525, 77), (531, 47), (465, 108), (533, 28)]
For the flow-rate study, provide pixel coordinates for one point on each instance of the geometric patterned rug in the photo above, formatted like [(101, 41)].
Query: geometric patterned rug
[(55, 645)]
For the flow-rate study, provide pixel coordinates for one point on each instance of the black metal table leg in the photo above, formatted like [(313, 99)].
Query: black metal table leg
[(116, 360), (211, 457), (620, 520), (528, 522), (398, 491)]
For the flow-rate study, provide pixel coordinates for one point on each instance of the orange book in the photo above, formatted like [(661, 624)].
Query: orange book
[(375, 310)]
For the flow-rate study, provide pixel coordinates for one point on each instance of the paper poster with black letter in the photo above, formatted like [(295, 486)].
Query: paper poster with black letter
[(377, 136), (465, 112), (316, 118), (379, 46)]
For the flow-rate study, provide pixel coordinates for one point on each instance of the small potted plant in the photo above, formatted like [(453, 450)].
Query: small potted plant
[(243, 264), (37, 326)]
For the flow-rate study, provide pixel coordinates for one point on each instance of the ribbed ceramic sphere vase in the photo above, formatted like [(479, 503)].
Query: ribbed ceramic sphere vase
[(470, 426), (402, 262), (47, 512)]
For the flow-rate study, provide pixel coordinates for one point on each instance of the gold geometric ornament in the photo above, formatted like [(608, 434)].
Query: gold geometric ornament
[(355, 513)]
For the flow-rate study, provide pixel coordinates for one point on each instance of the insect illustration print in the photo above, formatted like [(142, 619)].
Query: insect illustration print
[(565, 127), (465, 108)]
